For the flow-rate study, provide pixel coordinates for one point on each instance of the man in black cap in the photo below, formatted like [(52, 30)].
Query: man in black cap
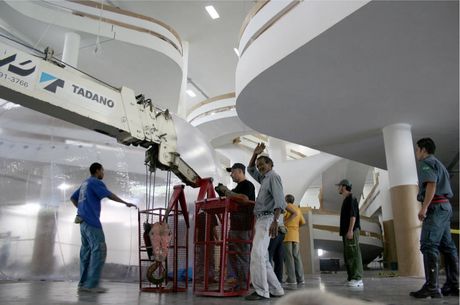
[(349, 230), (240, 223)]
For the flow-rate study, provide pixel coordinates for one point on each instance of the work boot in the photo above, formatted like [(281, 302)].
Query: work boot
[(431, 287), (449, 290), (425, 292), (451, 266)]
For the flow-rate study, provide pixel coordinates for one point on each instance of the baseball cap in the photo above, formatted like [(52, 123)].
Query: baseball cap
[(344, 182), (236, 165)]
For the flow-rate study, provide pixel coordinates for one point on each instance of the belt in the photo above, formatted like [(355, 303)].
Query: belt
[(263, 214), (440, 199)]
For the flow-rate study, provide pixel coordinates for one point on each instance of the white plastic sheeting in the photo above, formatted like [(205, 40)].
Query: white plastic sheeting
[(42, 161)]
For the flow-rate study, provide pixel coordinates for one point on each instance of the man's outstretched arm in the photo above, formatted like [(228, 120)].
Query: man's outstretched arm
[(118, 199)]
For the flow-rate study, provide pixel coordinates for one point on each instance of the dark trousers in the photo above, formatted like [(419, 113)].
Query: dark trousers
[(239, 256), (352, 257), (276, 255), (435, 239)]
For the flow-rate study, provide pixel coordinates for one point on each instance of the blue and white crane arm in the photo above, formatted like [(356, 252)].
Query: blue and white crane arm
[(47, 86)]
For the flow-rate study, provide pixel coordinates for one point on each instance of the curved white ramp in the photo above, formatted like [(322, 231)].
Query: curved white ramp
[(127, 41), (330, 76)]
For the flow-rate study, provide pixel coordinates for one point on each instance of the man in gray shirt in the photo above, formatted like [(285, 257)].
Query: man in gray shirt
[(269, 205), (436, 212)]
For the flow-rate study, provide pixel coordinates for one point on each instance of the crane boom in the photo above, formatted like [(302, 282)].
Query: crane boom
[(65, 93)]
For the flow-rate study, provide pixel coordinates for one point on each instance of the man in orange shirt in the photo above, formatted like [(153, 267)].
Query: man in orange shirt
[(293, 262)]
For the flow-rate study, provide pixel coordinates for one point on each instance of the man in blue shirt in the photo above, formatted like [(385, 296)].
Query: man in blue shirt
[(269, 205), (93, 251), (436, 212)]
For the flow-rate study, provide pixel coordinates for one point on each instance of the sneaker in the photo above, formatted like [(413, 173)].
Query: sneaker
[(92, 290), (290, 286), (355, 283), (233, 284), (236, 283), (255, 297), (276, 295), (231, 281)]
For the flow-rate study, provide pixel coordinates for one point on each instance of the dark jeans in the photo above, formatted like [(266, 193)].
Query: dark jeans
[(93, 252), (352, 256), (239, 256), (200, 262), (436, 238), (276, 255)]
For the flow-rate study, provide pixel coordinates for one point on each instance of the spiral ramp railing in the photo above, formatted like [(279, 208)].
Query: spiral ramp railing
[(286, 25)]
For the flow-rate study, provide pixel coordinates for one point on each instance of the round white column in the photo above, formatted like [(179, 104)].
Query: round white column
[(402, 174), (399, 152), (71, 49)]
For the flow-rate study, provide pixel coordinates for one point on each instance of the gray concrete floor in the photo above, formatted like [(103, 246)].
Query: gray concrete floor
[(387, 290)]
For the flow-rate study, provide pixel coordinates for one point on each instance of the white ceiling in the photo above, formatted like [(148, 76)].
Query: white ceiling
[(350, 65), (389, 62), (212, 61)]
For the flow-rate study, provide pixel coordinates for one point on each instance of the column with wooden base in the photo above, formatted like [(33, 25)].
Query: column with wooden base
[(402, 174)]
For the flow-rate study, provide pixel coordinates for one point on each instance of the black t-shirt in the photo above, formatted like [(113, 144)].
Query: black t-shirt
[(242, 220), (349, 209)]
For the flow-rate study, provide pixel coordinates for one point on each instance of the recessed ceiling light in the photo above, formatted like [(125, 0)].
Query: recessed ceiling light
[(237, 52), (212, 12), (190, 93)]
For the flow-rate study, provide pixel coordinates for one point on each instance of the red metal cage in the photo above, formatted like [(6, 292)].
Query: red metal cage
[(218, 254), (170, 275)]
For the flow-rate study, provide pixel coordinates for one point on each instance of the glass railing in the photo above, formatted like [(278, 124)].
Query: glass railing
[(112, 9), (211, 106), (212, 112), (115, 16), (254, 10), (260, 18)]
